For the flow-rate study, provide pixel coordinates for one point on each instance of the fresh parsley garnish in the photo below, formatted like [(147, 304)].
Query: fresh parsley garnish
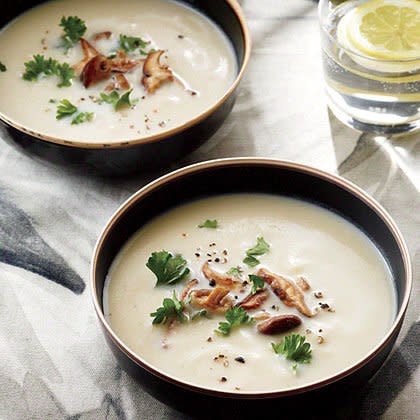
[(118, 101), (294, 347), (257, 283), (167, 268), (66, 74), (74, 28), (251, 261), (132, 43), (261, 248), (170, 310), (199, 314), (235, 317), (209, 224), (3, 68), (235, 272), (82, 117), (41, 66), (64, 109)]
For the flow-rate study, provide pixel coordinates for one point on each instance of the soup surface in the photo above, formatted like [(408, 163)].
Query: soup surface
[(347, 289), (201, 62)]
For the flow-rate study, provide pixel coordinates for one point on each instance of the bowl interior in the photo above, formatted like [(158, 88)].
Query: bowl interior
[(262, 177), (220, 11), (226, 14)]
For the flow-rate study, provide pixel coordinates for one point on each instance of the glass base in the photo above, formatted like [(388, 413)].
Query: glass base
[(371, 126)]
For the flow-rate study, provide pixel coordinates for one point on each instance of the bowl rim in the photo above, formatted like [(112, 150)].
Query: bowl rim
[(249, 161), (109, 144)]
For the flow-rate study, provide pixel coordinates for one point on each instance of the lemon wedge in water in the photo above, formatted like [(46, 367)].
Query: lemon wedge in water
[(383, 30)]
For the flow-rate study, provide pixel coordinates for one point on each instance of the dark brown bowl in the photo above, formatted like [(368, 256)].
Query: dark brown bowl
[(262, 176), (146, 152)]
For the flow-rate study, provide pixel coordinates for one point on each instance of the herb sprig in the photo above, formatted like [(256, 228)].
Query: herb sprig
[(257, 283), (294, 347), (261, 248), (41, 66), (235, 272), (65, 73), (118, 101), (209, 224), (66, 109), (131, 43), (171, 309), (199, 314), (82, 117), (235, 317), (167, 268), (3, 68), (74, 28)]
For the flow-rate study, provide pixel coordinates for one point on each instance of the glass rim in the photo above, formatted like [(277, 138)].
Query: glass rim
[(356, 53)]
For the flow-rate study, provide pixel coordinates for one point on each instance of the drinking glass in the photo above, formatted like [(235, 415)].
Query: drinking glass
[(364, 92)]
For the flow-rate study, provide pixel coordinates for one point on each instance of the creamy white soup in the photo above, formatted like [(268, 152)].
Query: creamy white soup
[(170, 61), (310, 282)]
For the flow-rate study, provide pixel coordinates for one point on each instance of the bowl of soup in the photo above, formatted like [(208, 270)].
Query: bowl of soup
[(119, 87), (250, 278)]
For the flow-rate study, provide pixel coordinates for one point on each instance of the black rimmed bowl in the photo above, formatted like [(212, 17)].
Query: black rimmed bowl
[(117, 158), (263, 176)]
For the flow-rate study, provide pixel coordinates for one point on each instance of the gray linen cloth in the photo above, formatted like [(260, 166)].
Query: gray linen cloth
[(54, 361)]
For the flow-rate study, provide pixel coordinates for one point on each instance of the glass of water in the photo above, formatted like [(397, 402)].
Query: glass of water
[(371, 60)]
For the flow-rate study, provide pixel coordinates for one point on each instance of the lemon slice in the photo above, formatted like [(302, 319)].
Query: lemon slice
[(386, 29)]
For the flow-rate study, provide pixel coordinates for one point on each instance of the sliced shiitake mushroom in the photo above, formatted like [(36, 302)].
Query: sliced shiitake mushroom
[(89, 51), (96, 69), (188, 287), (102, 35), (255, 300), (120, 82), (219, 279), (216, 300), (288, 292), (155, 73), (279, 324)]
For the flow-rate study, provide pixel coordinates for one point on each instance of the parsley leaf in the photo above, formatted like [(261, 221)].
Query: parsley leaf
[(41, 66), (170, 310), (38, 66), (261, 248), (251, 261), (235, 272), (64, 109), (257, 283), (210, 224), (293, 347), (167, 268), (118, 101), (82, 117), (124, 100), (235, 317), (111, 98), (132, 43), (3, 68), (199, 314), (66, 74), (74, 28)]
